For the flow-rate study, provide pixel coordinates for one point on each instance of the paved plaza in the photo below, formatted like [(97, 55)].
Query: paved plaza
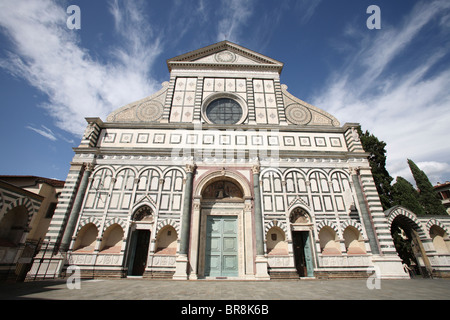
[(140, 289)]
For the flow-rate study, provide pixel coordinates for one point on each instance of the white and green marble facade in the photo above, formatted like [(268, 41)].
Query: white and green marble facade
[(284, 154)]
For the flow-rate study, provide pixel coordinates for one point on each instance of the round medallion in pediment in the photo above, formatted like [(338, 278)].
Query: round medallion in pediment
[(225, 56), (298, 114), (149, 111)]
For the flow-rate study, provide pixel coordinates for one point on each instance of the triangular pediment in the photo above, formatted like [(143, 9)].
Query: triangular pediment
[(224, 55)]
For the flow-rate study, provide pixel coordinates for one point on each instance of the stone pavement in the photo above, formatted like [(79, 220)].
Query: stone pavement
[(139, 289)]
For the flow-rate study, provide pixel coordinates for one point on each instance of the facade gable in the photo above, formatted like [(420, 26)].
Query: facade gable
[(224, 71), (224, 55)]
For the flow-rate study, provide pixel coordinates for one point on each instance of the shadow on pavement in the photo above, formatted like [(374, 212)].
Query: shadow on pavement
[(20, 290)]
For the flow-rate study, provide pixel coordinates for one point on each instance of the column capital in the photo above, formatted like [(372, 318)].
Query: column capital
[(256, 168), (89, 166), (190, 167), (353, 171)]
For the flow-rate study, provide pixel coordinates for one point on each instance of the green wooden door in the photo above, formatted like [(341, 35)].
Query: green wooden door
[(221, 258)]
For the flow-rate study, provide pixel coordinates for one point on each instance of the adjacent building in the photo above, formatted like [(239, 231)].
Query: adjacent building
[(443, 190), (27, 204)]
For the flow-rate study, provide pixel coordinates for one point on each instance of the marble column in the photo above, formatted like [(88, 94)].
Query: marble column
[(261, 260), (182, 261), (75, 212), (367, 221)]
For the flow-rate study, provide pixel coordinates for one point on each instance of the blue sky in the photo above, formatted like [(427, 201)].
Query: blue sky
[(393, 81)]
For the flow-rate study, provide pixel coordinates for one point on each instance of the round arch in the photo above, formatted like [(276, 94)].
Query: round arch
[(296, 170), (267, 170), (144, 211), (124, 168), (102, 167), (233, 213), (434, 222), (224, 175), (299, 214), (316, 170), (407, 218), (408, 234), (14, 225), (168, 223), (25, 202)]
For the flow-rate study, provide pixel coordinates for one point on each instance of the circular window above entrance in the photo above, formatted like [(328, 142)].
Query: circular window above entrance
[(224, 111)]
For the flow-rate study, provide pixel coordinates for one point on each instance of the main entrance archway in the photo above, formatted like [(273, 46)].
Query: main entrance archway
[(222, 244)]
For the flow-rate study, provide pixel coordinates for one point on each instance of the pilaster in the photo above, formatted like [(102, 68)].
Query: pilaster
[(261, 260), (73, 218), (182, 261)]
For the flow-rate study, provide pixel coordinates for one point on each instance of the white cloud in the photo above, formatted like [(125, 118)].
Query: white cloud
[(306, 9), (45, 132), (406, 109), (234, 15), (49, 56)]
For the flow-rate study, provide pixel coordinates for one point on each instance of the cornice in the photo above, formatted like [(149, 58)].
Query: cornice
[(243, 127), (168, 152)]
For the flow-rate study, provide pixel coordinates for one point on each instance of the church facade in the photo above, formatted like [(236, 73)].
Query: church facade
[(221, 174)]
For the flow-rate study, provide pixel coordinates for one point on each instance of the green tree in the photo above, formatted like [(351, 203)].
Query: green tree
[(403, 194), (377, 160), (427, 196), (402, 245)]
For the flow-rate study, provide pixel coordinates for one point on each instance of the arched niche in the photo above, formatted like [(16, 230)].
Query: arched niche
[(86, 238), (329, 244), (276, 242), (354, 243), (441, 240), (112, 239), (166, 241), (13, 225)]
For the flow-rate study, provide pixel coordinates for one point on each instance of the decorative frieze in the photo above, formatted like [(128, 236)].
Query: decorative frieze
[(275, 261), (95, 259), (163, 261), (177, 140), (344, 261)]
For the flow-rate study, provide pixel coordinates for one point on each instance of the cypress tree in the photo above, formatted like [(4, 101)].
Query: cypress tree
[(404, 194), (427, 196), (377, 160)]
